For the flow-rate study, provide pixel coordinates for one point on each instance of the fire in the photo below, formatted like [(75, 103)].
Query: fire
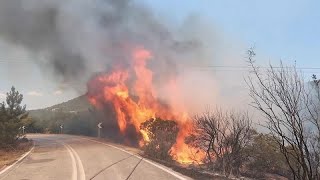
[(145, 139), (140, 103)]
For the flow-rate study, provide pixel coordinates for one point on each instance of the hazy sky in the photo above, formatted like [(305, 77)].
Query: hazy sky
[(286, 29)]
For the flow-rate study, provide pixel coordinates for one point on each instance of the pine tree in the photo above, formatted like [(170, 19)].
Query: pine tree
[(11, 113)]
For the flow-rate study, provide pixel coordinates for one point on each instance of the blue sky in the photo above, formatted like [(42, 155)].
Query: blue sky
[(279, 29)]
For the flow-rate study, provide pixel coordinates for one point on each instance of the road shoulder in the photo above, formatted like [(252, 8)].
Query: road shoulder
[(8, 159)]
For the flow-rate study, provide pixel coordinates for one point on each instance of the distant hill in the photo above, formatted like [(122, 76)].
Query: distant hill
[(75, 105), (75, 115)]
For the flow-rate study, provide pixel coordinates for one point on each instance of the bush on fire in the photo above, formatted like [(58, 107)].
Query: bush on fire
[(162, 135)]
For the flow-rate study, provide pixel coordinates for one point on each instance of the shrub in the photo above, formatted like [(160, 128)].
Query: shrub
[(162, 135)]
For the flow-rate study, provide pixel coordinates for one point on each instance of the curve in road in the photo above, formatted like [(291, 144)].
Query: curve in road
[(78, 158)]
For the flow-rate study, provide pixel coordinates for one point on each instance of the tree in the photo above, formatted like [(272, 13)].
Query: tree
[(11, 113), (223, 136), (238, 137), (32, 125), (210, 128), (264, 156), (313, 104), (162, 135), (281, 96)]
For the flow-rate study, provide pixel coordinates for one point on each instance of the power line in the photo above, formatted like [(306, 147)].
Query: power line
[(248, 67), (205, 67)]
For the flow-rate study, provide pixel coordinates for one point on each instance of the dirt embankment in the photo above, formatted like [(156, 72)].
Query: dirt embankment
[(10, 154)]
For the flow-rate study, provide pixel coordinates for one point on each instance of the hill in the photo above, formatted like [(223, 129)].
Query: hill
[(74, 115), (78, 104)]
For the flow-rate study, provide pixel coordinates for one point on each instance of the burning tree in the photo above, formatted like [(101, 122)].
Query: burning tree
[(130, 91), (160, 137)]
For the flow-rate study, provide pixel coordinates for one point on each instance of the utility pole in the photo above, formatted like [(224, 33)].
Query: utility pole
[(99, 129)]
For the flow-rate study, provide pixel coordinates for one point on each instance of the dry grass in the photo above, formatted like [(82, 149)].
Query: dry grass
[(10, 155)]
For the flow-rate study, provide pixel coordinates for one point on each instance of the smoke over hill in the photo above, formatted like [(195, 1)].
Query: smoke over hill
[(130, 59)]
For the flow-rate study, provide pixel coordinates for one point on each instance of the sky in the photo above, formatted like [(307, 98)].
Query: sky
[(286, 29)]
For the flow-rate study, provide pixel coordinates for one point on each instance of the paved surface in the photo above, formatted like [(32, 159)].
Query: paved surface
[(77, 158)]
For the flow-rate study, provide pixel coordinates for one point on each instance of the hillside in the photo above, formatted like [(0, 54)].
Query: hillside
[(74, 115), (78, 104), (74, 106)]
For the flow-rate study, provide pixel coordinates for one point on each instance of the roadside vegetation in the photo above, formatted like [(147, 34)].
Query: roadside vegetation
[(47, 121), (291, 107), (76, 116), (288, 148), (162, 134), (13, 119)]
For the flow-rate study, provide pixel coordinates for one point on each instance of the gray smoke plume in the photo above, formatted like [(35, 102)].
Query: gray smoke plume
[(78, 38)]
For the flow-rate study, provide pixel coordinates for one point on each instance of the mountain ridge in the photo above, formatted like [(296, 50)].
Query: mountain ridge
[(78, 104)]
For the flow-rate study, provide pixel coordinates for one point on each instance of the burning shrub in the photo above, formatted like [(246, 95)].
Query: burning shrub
[(131, 93), (162, 136)]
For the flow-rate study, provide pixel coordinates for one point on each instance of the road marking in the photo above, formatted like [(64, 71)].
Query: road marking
[(80, 166), (135, 167), (19, 160), (148, 161), (76, 164), (109, 166)]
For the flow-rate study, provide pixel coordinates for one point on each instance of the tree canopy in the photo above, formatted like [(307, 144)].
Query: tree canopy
[(11, 115)]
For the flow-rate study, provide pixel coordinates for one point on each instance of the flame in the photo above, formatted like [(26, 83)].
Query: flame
[(145, 139), (129, 111)]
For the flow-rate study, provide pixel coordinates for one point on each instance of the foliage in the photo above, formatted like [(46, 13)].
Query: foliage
[(264, 156), (162, 135), (47, 121), (76, 115), (11, 115)]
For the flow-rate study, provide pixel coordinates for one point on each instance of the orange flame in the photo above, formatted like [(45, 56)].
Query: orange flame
[(135, 112)]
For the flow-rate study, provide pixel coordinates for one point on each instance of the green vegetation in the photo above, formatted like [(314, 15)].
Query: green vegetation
[(264, 156), (80, 123), (75, 115), (162, 135), (12, 116)]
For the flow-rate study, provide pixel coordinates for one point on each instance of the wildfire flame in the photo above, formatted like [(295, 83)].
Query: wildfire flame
[(129, 111)]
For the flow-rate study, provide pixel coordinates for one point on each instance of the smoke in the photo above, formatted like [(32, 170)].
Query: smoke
[(78, 38)]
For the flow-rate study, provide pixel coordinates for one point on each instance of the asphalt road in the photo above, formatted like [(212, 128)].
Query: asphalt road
[(77, 158)]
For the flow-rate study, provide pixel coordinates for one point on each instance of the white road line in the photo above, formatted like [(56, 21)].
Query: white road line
[(19, 160), (74, 165), (150, 162), (82, 175)]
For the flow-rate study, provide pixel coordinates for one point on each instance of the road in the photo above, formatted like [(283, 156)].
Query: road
[(79, 158)]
